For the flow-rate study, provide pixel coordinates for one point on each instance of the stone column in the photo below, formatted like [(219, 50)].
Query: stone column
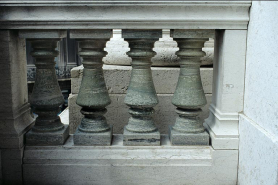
[(93, 96), (141, 96), (46, 95), (189, 96)]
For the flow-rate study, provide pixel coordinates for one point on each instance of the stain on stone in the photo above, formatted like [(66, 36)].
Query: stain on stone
[(152, 140)]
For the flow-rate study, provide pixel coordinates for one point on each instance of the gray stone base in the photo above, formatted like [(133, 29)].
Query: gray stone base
[(47, 138), (141, 139), (93, 139), (179, 138)]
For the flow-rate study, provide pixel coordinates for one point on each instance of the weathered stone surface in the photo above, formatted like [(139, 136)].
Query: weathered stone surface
[(47, 138), (93, 139), (46, 96), (93, 96), (118, 115), (141, 139), (141, 96), (189, 96), (178, 138), (117, 79)]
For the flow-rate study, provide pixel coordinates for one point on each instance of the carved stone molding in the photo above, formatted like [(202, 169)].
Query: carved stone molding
[(154, 14)]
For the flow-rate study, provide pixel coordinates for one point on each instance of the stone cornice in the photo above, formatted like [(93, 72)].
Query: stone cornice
[(122, 14)]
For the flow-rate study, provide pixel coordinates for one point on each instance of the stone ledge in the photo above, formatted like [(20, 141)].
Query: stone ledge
[(155, 14), (118, 164)]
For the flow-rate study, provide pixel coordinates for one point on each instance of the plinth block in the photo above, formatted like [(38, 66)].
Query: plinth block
[(179, 138), (93, 138), (47, 138), (141, 139)]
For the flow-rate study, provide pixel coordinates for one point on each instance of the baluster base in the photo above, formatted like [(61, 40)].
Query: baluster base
[(179, 138), (141, 139), (93, 138), (34, 138)]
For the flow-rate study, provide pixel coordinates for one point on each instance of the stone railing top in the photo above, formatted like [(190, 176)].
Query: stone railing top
[(123, 14)]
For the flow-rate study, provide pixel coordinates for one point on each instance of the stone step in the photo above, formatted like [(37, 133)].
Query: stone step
[(117, 79)]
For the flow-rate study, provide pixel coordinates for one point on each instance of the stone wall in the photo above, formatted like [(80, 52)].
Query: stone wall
[(258, 125)]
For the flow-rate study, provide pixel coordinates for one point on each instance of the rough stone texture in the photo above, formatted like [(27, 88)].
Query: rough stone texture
[(93, 95), (125, 165), (178, 138), (258, 123), (93, 139), (117, 79), (141, 139), (165, 49), (141, 96), (47, 138), (118, 116)]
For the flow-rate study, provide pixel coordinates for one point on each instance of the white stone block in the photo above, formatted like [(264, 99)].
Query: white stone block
[(118, 115), (258, 151), (228, 88), (125, 165), (117, 79)]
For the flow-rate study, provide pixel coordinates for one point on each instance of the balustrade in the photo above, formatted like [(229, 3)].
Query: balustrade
[(141, 96)]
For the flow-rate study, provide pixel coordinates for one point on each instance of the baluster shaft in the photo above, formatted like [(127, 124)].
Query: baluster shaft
[(93, 96), (189, 96), (141, 96), (46, 97)]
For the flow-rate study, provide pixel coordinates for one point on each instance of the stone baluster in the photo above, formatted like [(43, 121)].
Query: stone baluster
[(189, 96), (141, 96), (93, 96), (46, 95)]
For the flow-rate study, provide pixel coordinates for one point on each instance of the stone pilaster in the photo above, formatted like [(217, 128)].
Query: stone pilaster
[(93, 96), (141, 95), (46, 95), (189, 96), (15, 114)]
